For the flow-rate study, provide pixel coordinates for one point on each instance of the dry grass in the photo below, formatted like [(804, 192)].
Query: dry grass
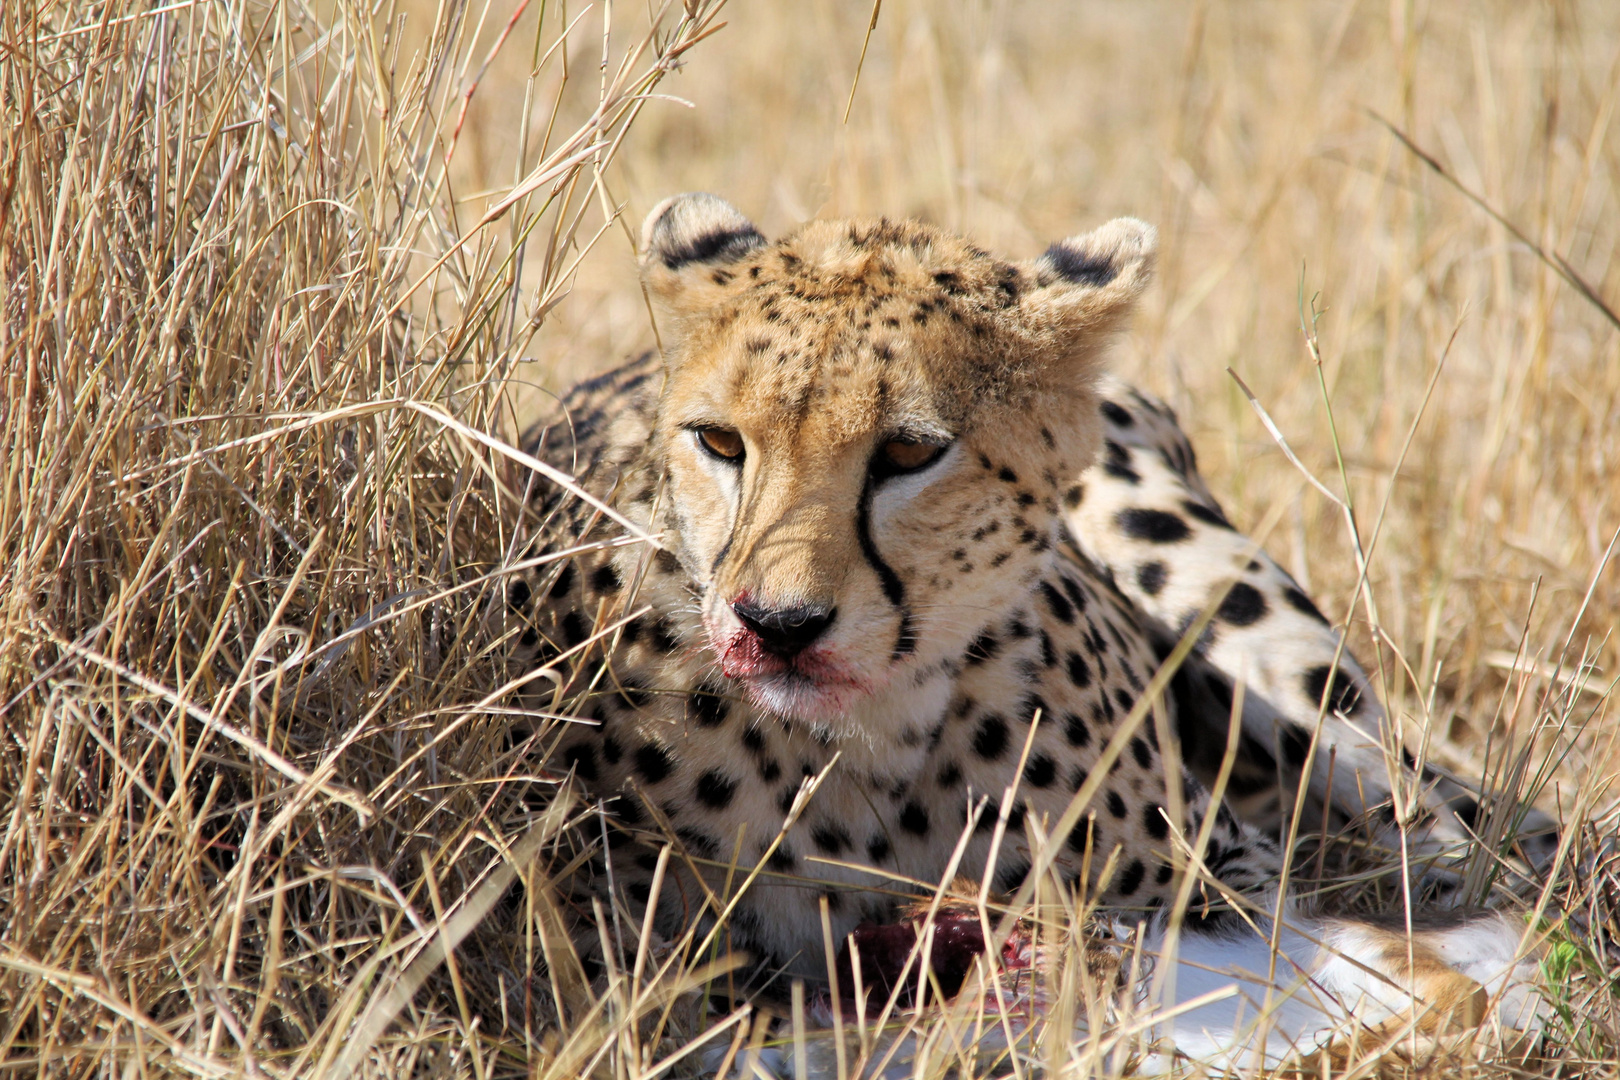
[(269, 289)]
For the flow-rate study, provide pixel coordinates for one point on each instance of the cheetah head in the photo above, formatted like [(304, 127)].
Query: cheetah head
[(867, 428)]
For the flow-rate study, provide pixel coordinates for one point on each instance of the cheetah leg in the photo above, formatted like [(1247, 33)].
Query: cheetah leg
[(1144, 514)]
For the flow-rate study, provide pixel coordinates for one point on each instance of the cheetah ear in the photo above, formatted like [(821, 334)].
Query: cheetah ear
[(1087, 284), (686, 244)]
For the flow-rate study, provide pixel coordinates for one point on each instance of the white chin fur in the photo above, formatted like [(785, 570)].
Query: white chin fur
[(797, 698)]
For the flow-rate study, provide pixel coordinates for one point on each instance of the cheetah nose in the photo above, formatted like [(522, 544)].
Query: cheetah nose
[(785, 631)]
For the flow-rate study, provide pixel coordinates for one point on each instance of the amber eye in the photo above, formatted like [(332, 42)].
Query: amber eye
[(903, 456), (723, 443)]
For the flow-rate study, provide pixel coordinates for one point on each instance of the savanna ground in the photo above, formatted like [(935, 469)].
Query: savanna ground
[(282, 282)]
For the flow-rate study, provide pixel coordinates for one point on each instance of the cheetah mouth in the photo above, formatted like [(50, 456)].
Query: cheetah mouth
[(810, 685)]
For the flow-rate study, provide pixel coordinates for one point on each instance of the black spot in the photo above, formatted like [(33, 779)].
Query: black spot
[(573, 629), (1140, 751), (1153, 820), (784, 798), (1076, 594), (991, 739), (611, 750), (1076, 731), (1117, 415), (563, 581), (1072, 497), (1155, 526), (984, 647), (1079, 267), (1209, 515), (1243, 606), (950, 775), (1116, 805), (1077, 838), (1032, 704), (715, 789), (631, 630), (1151, 576), (1062, 610), (781, 860), (663, 635), (1015, 818), (830, 838), (1130, 879), (877, 847), (753, 739), (653, 763), (1344, 697), (517, 595), (1123, 696), (769, 770), (530, 638), (914, 819), (639, 891), (647, 861), (582, 759), (1117, 463), (708, 708), (1296, 744), (1077, 777), (1048, 651), (605, 579), (626, 810), (1467, 810), (1163, 874), (1040, 771), (1008, 475), (1302, 604)]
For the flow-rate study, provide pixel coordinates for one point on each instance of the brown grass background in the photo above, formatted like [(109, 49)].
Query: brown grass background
[(220, 335)]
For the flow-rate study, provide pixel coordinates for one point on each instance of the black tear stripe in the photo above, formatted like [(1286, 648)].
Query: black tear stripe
[(732, 244), (905, 642), (893, 588), (725, 549)]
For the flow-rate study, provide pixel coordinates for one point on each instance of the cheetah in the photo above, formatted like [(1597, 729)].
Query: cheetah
[(914, 564)]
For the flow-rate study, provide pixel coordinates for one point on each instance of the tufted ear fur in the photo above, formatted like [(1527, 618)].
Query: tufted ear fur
[(1087, 284), (686, 244)]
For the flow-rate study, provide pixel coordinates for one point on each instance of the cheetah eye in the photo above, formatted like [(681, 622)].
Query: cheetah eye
[(722, 443), (899, 456)]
